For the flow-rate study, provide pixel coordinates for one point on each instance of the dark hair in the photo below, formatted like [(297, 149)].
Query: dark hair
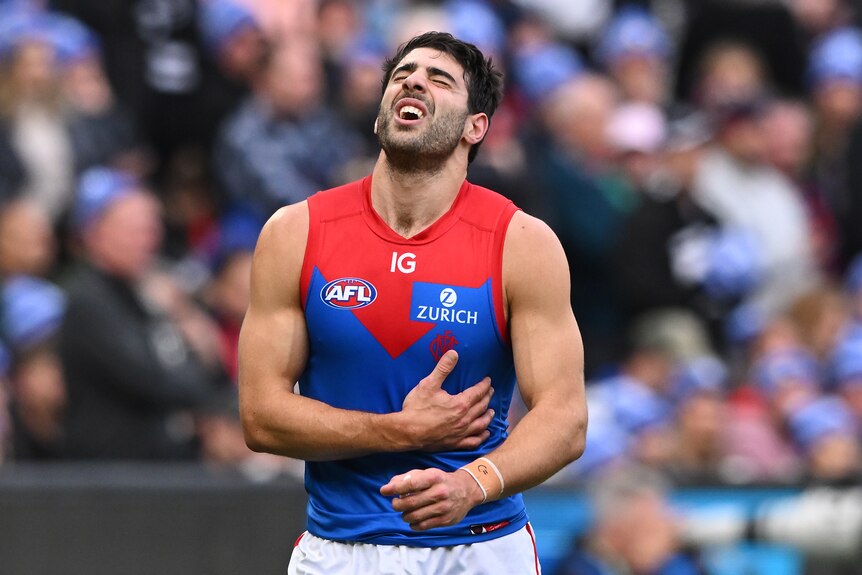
[(484, 81)]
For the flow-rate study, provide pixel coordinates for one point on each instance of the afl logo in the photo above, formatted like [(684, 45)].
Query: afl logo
[(348, 293), (448, 297)]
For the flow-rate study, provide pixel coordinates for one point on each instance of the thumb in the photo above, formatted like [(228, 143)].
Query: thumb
[(443, 368)]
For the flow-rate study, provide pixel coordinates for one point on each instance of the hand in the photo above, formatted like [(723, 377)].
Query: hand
[(432, 498), (439, 421)]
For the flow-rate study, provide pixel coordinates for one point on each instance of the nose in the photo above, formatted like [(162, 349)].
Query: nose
[(415, 82)]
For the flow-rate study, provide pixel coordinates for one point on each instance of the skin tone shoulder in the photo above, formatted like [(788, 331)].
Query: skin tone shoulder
[(426, 134)]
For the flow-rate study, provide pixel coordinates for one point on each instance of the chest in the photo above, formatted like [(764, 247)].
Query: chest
[(401, 293)]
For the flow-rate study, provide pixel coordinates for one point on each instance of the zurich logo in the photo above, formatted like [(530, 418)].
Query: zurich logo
[(448, 297), (348, 293)]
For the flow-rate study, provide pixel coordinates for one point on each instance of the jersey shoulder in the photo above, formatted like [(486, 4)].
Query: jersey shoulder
[(486, 208), (338, 202)]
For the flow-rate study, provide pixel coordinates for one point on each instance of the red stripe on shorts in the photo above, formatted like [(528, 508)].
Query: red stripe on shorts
[(301, 535), (535, 549)]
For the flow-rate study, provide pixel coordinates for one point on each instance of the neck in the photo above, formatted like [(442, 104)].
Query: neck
[(411, 201)]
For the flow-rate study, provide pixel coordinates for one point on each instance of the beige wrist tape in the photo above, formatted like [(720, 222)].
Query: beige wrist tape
[(488, 477)]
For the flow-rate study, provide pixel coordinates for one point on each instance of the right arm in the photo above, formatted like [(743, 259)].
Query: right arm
[(273, 351)]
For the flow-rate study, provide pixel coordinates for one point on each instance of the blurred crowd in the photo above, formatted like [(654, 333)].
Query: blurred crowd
[(701, 161)]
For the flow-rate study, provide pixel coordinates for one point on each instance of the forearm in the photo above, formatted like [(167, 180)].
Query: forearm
[(549, 437), (304, 428)]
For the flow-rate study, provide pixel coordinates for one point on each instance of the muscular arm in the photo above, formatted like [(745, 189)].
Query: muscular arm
[(549, 364), (273, 351), (548, 358)]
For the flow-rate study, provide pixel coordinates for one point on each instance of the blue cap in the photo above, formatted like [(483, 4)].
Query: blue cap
[(733, 264), (98, 188), (238, 232), (745, 322), (705, 374), (846, 360), (632, 32), (638, 408), (367, 50), (19, 24), (221, 20), (71, 39), (474, 21), (838, 56), (819, 419), (541, 69), (777, 367), (32, 311)]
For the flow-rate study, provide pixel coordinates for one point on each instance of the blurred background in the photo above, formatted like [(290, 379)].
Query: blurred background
[(700, 160)]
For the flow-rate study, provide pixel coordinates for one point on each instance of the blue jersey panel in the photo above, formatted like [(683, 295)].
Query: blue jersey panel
[(348, 368)]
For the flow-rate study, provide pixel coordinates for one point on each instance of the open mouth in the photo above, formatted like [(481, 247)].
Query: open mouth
[(410, 111)]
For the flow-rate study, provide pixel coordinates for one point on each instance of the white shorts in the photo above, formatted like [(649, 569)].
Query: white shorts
[(513, 554)]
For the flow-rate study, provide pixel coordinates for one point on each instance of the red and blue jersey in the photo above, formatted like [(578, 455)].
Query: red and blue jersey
[(381, 310)]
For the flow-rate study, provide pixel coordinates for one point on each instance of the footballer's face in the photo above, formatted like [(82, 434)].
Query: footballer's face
[(423, 115)]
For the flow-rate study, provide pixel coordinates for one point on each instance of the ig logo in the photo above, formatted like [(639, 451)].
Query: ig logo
[(448, 297)]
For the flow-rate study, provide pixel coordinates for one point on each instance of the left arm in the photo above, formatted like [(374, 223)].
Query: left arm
[(548, 354)]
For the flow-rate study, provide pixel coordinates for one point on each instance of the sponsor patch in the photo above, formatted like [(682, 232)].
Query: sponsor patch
[(348, 293)]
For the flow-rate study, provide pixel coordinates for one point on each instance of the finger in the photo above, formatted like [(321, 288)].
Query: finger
[(410, 482), (481, 423), (473, 441), (481, 392), (480, 408), (443, 368), (437, 515), (426, 513)]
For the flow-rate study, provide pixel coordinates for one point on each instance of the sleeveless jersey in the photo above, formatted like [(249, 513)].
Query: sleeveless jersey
[(380, 311)]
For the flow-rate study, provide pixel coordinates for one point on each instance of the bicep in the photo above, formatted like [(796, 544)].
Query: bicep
[(546, 341), (273, 346)]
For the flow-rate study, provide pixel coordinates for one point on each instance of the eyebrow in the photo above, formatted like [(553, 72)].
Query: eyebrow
[(432, 71)]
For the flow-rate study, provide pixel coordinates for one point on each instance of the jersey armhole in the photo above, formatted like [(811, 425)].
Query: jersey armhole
[(500, 232), (311, 248)]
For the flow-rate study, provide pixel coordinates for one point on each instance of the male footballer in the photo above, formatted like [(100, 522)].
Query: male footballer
[(408, 305)]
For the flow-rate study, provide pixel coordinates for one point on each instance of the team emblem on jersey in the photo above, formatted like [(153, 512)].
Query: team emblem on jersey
[(348, 293), (442, 343)]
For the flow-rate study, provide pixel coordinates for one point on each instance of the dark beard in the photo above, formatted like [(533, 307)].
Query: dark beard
[(424, 153)]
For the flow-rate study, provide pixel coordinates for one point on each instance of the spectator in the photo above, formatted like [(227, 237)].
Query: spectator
[(787, 379), (228, 293), (827, 434), (586, 201), (27, 241), (729, 71), (234, 39), (635, 50), (821, 317), (661, 261), (789, 129), (129, 369), (32, 313), (736, 184), (36, 122), (282, 145), (846, 371), (699, 390), (101, 131), (633, 531)]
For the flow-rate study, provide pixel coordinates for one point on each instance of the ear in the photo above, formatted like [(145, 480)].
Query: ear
[(475, 128)]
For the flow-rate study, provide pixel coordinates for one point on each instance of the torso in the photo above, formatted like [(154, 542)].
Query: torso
[(380, 311)]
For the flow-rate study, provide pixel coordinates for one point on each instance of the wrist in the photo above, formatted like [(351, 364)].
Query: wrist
[(396, 432), (471, 487), (488, 478)]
